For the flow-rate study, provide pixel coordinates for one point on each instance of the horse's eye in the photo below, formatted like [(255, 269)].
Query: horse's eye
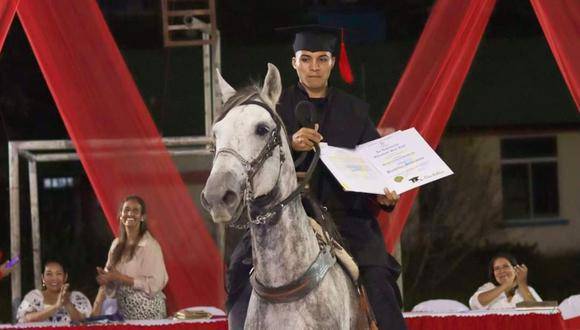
[(262, 129)]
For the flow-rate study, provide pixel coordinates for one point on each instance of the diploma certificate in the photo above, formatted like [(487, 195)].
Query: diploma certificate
[(400, 161)]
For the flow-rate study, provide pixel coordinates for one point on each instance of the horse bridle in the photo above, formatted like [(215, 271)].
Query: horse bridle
[(252, 167)]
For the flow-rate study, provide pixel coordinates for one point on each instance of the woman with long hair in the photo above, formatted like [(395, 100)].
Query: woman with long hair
[(55, 302), (507, 286), (135, 272)]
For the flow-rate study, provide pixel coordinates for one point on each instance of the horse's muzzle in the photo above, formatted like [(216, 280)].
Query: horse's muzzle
[(222, 196)]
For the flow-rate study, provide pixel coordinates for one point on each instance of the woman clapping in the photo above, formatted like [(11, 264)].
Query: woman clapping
[(135, 272), (508, 285), (54, 303)]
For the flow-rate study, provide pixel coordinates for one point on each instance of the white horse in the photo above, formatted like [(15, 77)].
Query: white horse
[(296, 283)]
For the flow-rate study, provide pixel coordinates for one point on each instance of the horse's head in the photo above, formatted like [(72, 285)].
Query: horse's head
[(250, 148)]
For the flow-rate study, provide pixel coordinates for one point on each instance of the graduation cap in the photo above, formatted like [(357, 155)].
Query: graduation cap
[(317, 38)]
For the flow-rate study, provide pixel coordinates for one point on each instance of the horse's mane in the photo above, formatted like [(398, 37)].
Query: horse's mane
[(242, 95)]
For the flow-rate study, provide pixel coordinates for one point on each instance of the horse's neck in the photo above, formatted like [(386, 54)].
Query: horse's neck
[(284, 251)]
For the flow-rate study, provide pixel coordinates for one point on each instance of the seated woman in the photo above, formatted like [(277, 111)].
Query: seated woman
[(508, 285), (54, 303), (135, 271)]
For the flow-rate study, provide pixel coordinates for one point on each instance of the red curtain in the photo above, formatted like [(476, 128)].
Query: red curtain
[(117, 141), (7, 11), (560, 21), (428, 89)]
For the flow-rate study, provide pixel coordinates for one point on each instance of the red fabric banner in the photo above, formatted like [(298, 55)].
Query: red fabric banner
[(118, 143), (219, 325), (497, 321), (428, 89), (560, 21), (7, 11), (573, 323)]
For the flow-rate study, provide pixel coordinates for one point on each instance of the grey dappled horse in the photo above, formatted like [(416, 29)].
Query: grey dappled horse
[(253, 173)]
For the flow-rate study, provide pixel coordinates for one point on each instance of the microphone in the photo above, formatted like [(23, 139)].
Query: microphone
[(305, 114)]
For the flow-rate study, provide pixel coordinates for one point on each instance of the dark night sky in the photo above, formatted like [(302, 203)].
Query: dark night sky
[(27, 107)]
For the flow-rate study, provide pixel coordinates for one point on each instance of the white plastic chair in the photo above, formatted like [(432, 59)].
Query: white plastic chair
[(570, 307), (440, 305)]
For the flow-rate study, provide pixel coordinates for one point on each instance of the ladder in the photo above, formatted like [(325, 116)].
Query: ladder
[(193, 23)]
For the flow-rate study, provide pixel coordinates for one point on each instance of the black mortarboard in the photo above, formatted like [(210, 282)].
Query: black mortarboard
[(313, 38), (316, 38)]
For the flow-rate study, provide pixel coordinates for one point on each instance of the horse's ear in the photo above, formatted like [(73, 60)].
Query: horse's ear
[(272, 84), (225, 89)]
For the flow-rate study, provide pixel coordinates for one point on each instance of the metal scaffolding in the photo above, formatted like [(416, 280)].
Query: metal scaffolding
[(185, 23), (35, 152)]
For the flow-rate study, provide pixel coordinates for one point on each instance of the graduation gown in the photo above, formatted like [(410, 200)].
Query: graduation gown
[(343, 122)]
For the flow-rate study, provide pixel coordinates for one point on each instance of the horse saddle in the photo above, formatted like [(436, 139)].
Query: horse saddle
[(351, 268), (343, 257)]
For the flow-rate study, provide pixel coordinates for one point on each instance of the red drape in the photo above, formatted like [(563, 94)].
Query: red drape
[(7, 11), (117, 141), (560, 21), (428, 89)]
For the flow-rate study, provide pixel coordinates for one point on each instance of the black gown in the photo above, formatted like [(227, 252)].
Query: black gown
[(344, 122)]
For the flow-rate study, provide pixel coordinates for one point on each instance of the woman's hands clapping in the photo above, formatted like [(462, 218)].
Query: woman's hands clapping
[(521, 274), (63, 296), (105, 277)]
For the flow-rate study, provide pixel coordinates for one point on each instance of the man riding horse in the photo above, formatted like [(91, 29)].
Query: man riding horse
[(343, 121)]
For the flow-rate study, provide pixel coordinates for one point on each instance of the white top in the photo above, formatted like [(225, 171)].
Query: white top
[(501, 302), (147, 267), (34, 302), (570, 307)]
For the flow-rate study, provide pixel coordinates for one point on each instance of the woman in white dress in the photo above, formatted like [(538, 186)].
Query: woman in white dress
[(508, 285), (54, 303)]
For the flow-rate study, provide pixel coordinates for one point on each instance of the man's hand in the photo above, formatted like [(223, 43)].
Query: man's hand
[(306, 138), (390, 198), (385, 130)]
